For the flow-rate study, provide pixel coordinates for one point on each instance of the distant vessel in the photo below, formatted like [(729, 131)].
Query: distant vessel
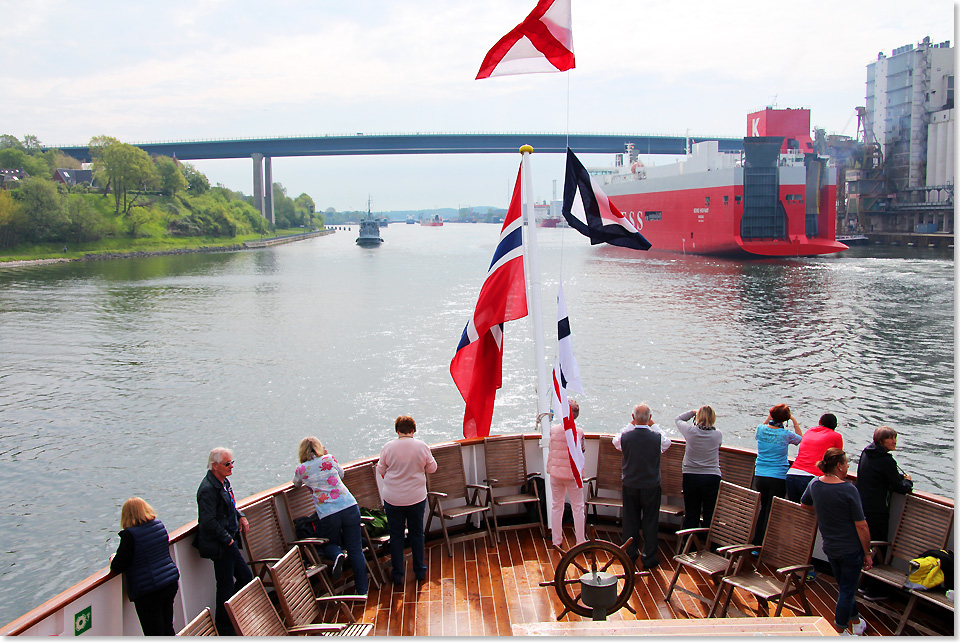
[(411, 220), (383, 221), (369, 230), (776, 198), (436, 221)]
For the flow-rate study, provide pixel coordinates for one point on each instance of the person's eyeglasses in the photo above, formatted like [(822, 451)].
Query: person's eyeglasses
[(227, 463)]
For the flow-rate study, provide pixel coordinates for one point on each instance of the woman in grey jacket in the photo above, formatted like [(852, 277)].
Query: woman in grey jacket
[(701, 465)]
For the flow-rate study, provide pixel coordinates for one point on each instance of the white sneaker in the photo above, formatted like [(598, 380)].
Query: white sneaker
[(859, 627)]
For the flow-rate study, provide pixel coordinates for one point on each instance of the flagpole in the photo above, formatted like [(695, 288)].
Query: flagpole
[(532, 266)]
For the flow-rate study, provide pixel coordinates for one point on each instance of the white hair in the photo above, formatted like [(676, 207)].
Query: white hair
[(641, 413), (217, 455)]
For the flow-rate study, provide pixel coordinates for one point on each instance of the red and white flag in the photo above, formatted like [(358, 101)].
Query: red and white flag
[(477, 367), (543, 42), (566, 376)]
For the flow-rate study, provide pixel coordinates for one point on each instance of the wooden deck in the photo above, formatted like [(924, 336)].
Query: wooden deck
[(486, 591)]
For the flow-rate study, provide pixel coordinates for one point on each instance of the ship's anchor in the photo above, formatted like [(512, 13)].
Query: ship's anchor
[(607, 580)]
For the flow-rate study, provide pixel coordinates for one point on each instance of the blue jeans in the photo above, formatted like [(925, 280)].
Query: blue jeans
[(232, 574), (846, 571), (796, 484), (343, 530), (411, 519)]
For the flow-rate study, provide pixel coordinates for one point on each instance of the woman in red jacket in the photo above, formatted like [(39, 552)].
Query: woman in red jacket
[(815, 443)]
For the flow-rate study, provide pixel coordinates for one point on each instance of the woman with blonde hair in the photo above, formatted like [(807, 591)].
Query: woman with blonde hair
[(701, 465), (144, 557), (337, 509)]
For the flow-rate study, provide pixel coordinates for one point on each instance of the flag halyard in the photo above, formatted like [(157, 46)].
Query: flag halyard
[(477, 366), (588, 210), (543, 42)]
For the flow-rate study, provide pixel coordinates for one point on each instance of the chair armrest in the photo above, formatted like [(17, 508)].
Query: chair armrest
[(787, 570), (479, 486), (366, 519), (340, 598), (490, 481), (438, 494), (590, 479), (312, 541), (687, 531), (315, 629), (532, 475), (265, 560), (739, 551), (723, 550)]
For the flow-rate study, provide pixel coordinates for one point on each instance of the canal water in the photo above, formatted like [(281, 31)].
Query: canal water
[(117, 377)]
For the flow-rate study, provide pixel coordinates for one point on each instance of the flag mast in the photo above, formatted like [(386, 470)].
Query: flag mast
[(532, 268)]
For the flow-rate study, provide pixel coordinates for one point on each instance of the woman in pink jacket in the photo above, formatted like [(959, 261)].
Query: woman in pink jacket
[(562, 482), (403, 465)]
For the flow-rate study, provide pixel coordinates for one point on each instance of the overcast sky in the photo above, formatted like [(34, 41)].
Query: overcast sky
[(202, 69)]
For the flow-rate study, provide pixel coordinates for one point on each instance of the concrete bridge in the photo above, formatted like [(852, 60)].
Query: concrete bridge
[(262, 150)]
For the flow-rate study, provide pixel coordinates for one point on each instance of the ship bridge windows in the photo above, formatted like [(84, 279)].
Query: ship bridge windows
[(653, 216), (706, 200), (795, 198), (726, 199)]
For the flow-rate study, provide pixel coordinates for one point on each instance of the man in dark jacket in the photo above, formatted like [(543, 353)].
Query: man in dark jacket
[(877, 476), (641, 443), (218, 532)]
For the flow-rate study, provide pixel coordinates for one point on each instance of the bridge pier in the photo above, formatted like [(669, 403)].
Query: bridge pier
[(258, 181), (268, 189)]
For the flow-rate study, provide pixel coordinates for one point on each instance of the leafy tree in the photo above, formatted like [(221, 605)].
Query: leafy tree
[(8, 141), (56, 159), (40, 204), (12, 158), (124, 167), (32, 144), (12, 220), (284, 212), (170, 177), (85, 223), (197, 183)]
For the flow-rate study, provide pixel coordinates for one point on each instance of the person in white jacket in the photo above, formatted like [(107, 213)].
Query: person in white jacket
[(562, 482)]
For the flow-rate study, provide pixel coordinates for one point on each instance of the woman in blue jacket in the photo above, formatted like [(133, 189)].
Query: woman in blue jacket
[(144, 557)]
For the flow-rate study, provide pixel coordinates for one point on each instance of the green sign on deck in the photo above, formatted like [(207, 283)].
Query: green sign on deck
[(83, 621)]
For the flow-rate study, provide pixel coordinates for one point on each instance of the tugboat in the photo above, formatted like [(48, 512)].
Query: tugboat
[(369, 230)]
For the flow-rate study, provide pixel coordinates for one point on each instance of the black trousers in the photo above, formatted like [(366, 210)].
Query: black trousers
[(232, 574), (699, 498), (769, 488), (641, 512), (155, 610)]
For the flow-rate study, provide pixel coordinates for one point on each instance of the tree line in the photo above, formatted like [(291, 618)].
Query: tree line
[(132, 194)]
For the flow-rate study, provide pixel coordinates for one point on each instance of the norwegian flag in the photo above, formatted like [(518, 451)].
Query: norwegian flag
[(566, 376), (543, 42), (589, 212), (477, 367)]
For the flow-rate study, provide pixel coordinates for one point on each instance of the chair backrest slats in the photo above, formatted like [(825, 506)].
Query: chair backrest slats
[(252, 611), (449, 477), (737, 467), (202, 625), (362, 482), (264, 537), (506, 462), (296, 596), (609, 466), (791, 531), (735, 515), (923, 525), (671, 470), (299, 502)]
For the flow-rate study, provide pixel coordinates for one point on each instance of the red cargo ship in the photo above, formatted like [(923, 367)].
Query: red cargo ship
[(776, 198)]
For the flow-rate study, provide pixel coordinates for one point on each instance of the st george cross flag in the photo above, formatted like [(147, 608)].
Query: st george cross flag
[(588, 210), (566, 376), (477, 367), (543, 42)]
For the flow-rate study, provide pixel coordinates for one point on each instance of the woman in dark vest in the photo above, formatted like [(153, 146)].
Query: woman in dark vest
[(144, 557)]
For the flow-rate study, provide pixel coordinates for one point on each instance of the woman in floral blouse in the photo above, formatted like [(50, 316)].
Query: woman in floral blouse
[(337, 509)]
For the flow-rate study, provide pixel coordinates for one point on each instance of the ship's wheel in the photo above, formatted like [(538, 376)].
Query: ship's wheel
[(590, 559)]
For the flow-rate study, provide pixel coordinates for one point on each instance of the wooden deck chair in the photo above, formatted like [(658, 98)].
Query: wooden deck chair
[(298, 602), (923, 525), (449, 483), (266, 543), (507, 468), (733, 523), (201, 625), (252, 613), (781, 570), (671, 479), (736, 466), (933, 596), (299, 503), (362, 482), (608, 481)]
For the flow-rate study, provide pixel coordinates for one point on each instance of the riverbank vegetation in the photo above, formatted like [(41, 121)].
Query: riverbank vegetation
[(128, 201)]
